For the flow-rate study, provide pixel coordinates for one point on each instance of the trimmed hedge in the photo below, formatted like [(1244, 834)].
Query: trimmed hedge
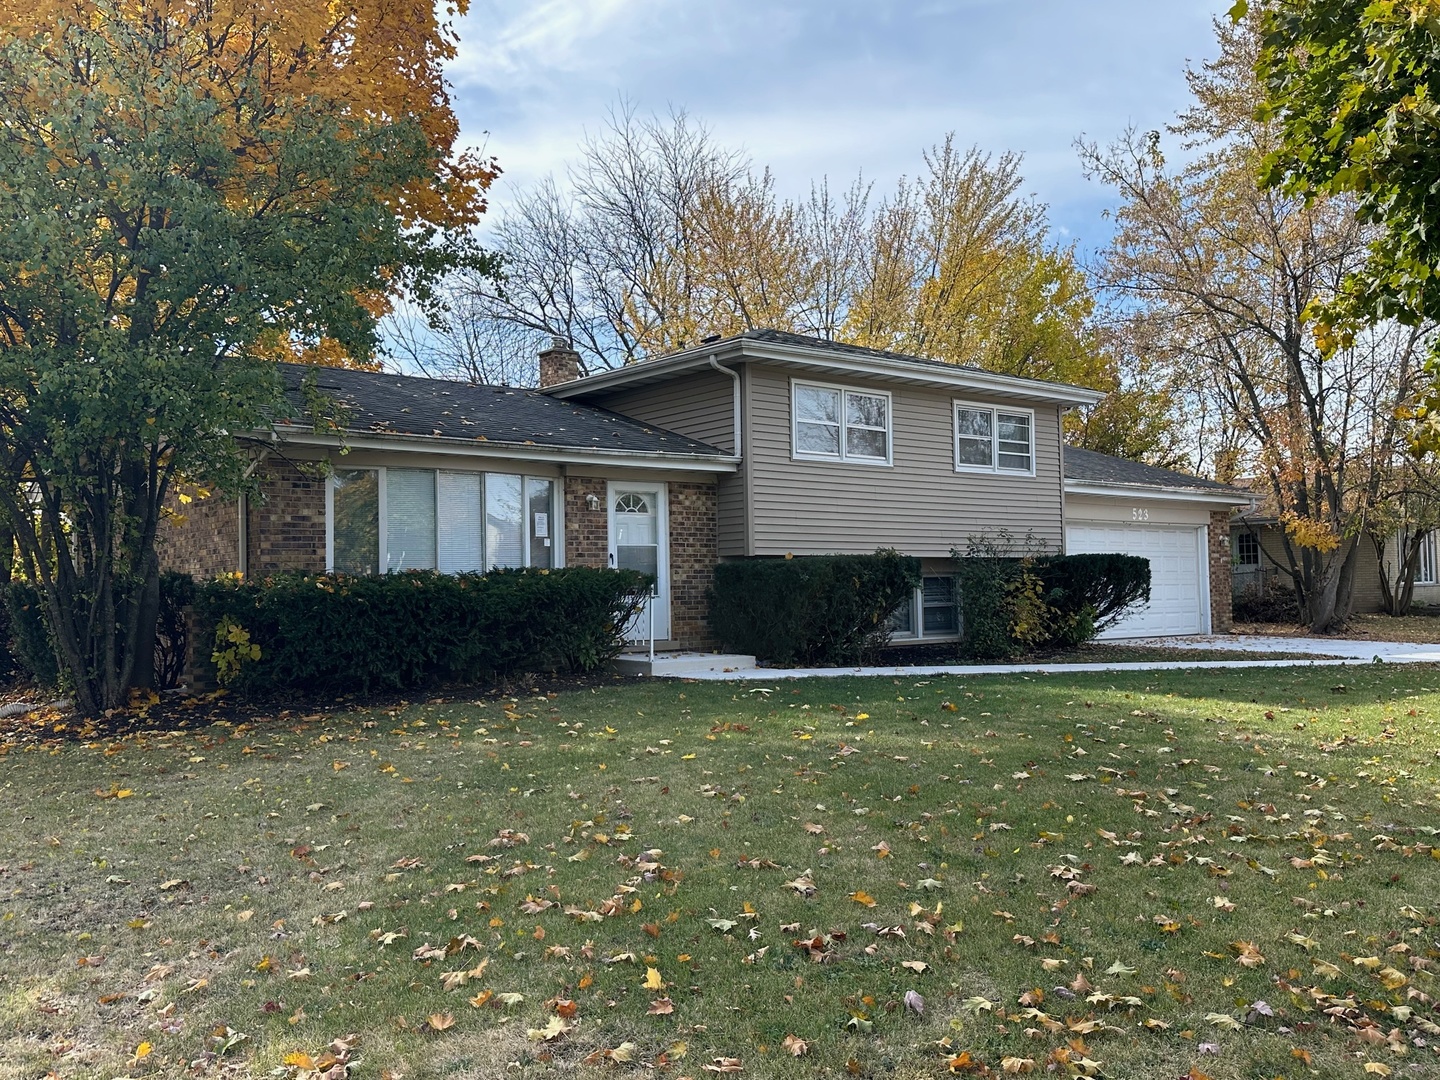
[(1010, 605), (1102, 587), (339, 633), (810, 609)]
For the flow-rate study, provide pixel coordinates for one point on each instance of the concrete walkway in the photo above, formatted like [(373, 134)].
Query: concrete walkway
[(1345, 652)]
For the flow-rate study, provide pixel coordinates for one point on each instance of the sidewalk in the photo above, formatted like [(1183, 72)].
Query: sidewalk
[(694, 666)]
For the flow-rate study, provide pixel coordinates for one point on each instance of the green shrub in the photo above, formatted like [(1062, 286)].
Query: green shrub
[(1092, 592), (810, 609), (989, 578), (34, 650), (339, 633), (1013, 602)]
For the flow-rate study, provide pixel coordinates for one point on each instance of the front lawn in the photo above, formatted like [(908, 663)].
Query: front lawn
[(1144, 874)]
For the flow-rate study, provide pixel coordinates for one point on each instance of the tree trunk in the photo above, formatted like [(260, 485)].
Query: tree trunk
[(1323, 600)]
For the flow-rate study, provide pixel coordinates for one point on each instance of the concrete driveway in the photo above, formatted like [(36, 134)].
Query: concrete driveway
[(1337, 651), (1390, 652)]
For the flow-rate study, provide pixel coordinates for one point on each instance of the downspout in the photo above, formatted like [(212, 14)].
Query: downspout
[(735, 408)]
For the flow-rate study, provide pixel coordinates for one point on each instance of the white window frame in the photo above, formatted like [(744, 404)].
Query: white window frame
[(1239, 536), (994, 468), (1425, 568), (805, 455), (917, 617), (556, 523)]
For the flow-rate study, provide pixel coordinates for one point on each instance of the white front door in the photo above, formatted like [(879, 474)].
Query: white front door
[(639, 540)]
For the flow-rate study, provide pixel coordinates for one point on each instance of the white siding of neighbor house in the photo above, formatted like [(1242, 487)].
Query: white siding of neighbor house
[(918, 504)]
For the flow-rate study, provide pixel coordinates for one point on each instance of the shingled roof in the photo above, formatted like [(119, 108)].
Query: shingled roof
[(1087, 466), (378, 403)]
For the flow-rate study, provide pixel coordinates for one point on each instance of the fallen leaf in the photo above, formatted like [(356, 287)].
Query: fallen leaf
[(553, 1029), (795, 1046), (439, 1021)]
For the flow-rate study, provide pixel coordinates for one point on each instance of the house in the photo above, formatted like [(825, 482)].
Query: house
[(1260, 563), (763, 444)]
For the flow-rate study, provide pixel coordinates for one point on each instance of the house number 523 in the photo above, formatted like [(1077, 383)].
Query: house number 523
[(1139, 513)]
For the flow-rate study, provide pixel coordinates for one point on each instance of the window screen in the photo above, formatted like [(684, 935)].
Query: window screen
[(410, 519), (1013, 450), (460, 522), (940, 614), (504, 521)]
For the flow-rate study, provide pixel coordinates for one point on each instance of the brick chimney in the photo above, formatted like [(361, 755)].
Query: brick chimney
[(559, 363)]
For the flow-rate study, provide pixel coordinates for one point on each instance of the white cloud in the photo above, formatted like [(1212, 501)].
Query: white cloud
[(816, 87)]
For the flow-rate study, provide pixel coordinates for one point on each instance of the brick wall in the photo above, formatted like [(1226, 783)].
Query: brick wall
[(693, 555), (693, 548), (587, 541), (286, 522), (202, 539), (1221, 588)]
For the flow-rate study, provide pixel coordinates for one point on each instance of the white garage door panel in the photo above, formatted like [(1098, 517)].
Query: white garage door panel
[(1176, 582)]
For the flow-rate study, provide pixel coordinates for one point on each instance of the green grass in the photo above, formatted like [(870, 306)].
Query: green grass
[(1075, 840)]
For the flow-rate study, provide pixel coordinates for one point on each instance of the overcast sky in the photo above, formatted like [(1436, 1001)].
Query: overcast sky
[(833, 87)]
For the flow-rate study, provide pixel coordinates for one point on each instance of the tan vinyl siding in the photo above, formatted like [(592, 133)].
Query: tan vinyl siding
[(1365, 594), (919, 504), (698, 404), (730, 515)]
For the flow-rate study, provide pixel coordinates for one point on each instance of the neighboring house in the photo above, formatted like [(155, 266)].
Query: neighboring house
[(764, 444), (1258, 558)]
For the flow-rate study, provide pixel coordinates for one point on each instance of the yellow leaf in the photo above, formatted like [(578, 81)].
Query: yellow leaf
[(299, 1059), (1377, 1069), (143, 1051), (653, 980), (862, 897)]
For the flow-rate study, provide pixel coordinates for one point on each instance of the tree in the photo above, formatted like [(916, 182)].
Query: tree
[(663, 237), (1354, 92), (1222, 272), (186, 190)]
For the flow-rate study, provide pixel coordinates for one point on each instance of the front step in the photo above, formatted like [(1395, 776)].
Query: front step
[(681, 665)]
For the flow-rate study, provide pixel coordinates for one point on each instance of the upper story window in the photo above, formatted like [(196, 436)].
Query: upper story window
[(835, 424), (990, 439)]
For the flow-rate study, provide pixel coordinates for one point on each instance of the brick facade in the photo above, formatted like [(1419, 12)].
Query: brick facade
[(202, 537), (286, 523), (694, 551), (1221, 620), (285, 528), (693, 548), (587, 532)]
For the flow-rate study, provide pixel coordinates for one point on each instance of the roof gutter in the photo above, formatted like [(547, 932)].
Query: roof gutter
[(710, 463), (1162, 494)]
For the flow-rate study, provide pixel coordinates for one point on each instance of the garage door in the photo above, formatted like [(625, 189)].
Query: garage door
[(1177, 604)]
